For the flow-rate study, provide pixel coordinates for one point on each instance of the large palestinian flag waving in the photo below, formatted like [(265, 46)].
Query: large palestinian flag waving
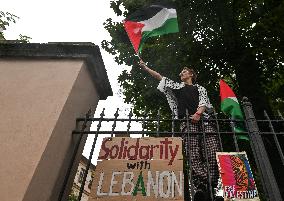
[(153, 20)]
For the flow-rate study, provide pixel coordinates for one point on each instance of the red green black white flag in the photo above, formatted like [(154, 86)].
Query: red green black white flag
[(230, 106), (150, 21)]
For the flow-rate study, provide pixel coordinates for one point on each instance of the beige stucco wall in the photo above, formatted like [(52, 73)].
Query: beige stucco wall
[(39, 102)]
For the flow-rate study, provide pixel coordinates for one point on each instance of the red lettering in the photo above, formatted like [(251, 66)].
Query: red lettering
[(166, 143), (146, 155), (173, 154), (121, 148), (161, 151), (134, 156), (115, 153), (105, 149), (152, 150), (125, 150)]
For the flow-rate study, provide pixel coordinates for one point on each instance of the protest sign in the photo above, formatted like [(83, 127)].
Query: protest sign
[(139, 169), (237, 179)]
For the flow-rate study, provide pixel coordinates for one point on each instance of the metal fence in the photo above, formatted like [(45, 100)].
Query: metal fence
[(264, 148)]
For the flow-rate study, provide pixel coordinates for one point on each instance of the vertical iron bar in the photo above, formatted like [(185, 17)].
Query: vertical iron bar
[(280, 115), (90, 157), (173, 124), (268, 180), (275, 137), (114, 122), (143, 122), (232, 124), (188, 157), (68, 172), (207, 161), (218, 130), (218, 187), (77, 122), (129, 121), (158, 123)]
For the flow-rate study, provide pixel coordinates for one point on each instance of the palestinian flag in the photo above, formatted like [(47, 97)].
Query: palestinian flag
[(231, 106), (153, 20)]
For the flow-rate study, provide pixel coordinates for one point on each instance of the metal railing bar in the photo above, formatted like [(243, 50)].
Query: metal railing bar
[(274, 120), (280, 115), (207, 160), (189, 157), (114, 121), (268, 180), (156, 119), (271, 133), (232, 124), (158, 123), (173, 124), (143, 122), (90, 160), (129, 121), (218, 130), (165, 132), (68, 172), (151, 132), (275, 138)]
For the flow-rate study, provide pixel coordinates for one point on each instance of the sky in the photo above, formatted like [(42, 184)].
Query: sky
[(72, 21)]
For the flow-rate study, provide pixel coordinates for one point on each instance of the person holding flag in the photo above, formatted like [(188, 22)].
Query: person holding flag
[(159, 19), (192, 97)]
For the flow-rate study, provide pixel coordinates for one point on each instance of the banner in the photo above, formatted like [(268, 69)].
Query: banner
[(139, 169), (237, 179)]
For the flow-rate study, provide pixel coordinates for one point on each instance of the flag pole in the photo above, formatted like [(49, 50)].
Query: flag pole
[(137, 53), (233, 125), (139, 57)]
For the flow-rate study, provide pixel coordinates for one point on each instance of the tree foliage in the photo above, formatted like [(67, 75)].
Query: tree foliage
[(6, 19), (239, 41), (72, 196)]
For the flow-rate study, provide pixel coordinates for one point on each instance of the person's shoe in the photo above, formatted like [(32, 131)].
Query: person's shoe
[(199, 195), (218, 198)]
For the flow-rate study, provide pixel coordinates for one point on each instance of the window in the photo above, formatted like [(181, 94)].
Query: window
[(91, 182), (81, 175)]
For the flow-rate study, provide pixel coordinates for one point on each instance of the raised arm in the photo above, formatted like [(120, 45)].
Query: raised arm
[(153, 73)]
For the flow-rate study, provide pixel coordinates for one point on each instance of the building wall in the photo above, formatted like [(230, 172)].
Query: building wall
[(44, 88), (79, 177), (33, 95)]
